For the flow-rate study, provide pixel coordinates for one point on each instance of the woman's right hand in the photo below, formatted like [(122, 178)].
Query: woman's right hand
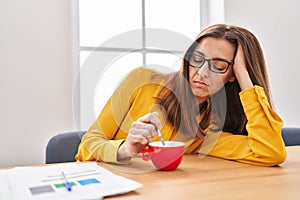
[(240, 69), (140, 134)]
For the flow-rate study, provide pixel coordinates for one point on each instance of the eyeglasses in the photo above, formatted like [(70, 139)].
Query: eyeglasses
[(216, 65)]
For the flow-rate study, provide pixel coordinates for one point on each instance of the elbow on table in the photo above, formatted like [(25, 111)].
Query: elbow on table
[(275, 158)]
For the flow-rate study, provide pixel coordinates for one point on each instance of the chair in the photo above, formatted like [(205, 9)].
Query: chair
[(291, 136), (63, 147)]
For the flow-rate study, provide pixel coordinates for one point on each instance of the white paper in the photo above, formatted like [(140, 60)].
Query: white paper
[(4, 187), (91, 182)]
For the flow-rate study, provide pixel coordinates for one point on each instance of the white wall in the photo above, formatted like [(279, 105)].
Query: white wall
[(276, 24), (36, 69), (35, 77)]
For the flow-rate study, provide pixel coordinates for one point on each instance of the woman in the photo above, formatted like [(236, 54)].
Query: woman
[(218, 103)]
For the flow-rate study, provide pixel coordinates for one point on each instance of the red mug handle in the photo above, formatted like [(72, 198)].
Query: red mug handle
[(146, 154)]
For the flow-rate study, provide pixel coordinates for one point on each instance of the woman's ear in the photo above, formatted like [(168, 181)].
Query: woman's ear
[(232, 78)]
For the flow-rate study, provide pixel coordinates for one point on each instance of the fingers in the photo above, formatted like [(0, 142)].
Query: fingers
[(145, 129), (240, 69), (137, 140), (140, 134), (239, 60), (151, 118)]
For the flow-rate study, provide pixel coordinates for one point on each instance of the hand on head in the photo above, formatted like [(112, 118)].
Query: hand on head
[(140, 134), (240, 69)]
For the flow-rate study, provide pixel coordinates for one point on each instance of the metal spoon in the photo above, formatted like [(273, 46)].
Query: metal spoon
[(160, 137)]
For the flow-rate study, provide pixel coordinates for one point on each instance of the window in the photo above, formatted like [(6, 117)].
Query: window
[(117, 36)]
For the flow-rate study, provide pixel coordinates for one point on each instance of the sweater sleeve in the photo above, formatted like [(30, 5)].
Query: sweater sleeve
[(100, 142), (264, 144)]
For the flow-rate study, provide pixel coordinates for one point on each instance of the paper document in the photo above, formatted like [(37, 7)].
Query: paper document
[(87, 180)]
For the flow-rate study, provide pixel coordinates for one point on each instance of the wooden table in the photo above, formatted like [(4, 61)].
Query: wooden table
[(209, 178), (213, 178)]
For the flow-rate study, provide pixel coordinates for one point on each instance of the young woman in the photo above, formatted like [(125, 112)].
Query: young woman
[(219, 104)]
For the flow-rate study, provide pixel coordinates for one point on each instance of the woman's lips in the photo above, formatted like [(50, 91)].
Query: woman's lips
[(200, 84)]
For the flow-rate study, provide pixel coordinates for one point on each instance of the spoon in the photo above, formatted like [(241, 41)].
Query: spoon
[(160, 137)]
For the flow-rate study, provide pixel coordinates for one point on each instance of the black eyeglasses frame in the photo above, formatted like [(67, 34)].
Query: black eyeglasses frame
[(208, 60)]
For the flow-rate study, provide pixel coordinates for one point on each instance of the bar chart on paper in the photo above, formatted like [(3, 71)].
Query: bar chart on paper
[(87, 180)]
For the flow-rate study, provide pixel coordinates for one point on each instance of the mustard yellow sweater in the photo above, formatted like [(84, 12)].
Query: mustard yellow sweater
[(136, 96)]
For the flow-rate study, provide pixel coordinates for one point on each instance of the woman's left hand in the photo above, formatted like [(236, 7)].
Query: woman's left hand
[(240, 69)]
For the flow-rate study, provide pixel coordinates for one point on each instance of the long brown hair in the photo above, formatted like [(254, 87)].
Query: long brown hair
[(179, 102)]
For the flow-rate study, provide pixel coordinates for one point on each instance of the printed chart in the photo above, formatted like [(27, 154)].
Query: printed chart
[(87, 180)]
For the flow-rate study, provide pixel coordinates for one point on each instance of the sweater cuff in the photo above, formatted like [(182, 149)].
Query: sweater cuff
[(112, 153), (253, 97)]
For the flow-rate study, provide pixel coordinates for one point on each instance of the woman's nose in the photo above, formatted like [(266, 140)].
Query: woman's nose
[(204, 70)]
